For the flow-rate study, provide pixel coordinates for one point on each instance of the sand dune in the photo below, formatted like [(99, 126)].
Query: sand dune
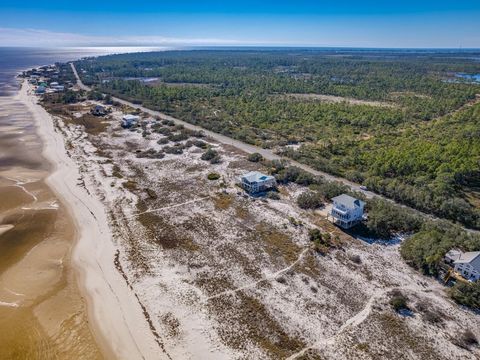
[(118, 322)]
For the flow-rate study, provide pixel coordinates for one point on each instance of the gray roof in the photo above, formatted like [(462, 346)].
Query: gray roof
[(255, 176), (348, 201), (453, 254), (467, 257), (130, 117)]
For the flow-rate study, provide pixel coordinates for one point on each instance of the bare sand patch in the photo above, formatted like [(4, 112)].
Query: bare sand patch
[(338, 99)]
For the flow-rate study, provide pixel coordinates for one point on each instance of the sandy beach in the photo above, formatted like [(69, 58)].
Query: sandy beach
[(115, 315)]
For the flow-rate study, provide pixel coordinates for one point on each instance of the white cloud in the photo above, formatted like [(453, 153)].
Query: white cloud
[(38, 37)]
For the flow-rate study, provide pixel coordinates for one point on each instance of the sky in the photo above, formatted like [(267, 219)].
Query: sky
[(342, 23)]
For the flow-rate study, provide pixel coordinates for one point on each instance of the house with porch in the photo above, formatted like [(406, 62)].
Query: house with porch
[(255, 182), (346, 211), (468, 265)]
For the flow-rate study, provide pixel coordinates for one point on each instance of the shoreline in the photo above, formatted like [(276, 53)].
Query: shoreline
[(114, 314)]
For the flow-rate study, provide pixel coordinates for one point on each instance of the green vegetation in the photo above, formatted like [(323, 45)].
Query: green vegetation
[(213, 176), (466, 294), (211, 155), (321, 241), (418, 144), (255, 157), (309, 200), (398, 301), (426, 248), (385, 219)]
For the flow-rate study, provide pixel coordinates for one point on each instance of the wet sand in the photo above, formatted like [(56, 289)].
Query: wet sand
[(42, 312), (116, 317)]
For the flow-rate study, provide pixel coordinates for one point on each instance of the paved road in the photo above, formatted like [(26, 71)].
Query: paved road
[(267, 154)]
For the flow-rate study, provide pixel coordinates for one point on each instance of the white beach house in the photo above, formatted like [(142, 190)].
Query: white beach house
[(347, 211), (255, 182), (129, 120), (468, 265)]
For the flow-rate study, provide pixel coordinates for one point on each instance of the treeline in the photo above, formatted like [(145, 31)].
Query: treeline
[(398, 150), (427, 247)]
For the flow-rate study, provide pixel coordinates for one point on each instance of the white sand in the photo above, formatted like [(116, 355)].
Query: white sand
[(117, 319)]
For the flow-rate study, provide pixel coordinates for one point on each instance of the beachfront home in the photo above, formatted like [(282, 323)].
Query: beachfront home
[(468, 265), (98, 110), (57, 88), (40, 90), (129, 120), (255, 182), (347, 211)]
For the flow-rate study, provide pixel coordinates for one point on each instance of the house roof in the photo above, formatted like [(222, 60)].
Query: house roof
[(348, 201), (130, 117), (255, 176), (453, 254), (468, 257)]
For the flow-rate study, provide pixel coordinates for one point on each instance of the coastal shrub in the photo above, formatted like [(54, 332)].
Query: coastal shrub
[(398, 301), (164, 131), (315, 234), (255, 157), (163, 141), (309, 200), (429, 313), (295, 222), (70, 97), (200, 144), (321, 242), (466, 294), (176, 150), (213, 176), (273, 195), (386, 218), (330, 189), (197, 133), (95, 95), (178, 137), (425, 249), (210, 155), (168, 122)]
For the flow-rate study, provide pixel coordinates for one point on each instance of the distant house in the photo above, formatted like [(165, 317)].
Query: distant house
[(468, 265), (347, 211), (98, 110), (40, 90), (255, 182), (129, 120), (57, 88)]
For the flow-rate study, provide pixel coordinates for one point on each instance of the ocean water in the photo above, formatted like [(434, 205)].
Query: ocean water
[(42, 313)]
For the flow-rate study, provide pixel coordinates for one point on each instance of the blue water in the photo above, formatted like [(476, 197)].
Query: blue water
[(470, 77), (15, 60)]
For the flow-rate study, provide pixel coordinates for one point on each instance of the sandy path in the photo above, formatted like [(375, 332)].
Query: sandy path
[(118, 322)]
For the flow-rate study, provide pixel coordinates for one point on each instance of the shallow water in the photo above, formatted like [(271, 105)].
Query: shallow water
[(42, 313)]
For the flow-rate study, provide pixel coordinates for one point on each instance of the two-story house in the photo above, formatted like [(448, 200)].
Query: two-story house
[(468, 265), (255, 182), (347, 211)]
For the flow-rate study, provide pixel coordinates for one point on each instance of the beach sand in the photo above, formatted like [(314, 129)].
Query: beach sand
[(116, 318)]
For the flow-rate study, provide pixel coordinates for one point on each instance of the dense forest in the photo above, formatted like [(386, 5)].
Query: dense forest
[(400, 122)]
